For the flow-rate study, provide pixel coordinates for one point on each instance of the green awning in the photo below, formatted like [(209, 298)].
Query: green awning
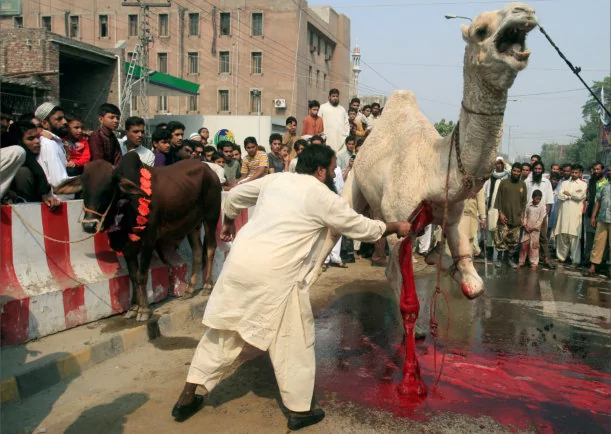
[(161, 84)]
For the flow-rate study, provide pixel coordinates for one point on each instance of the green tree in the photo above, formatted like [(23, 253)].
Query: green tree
[(444, 128)]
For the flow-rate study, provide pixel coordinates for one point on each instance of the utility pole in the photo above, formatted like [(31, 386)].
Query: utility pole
[(146, 39), (509, 141)]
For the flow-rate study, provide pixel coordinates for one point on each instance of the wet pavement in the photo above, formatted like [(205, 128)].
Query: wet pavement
[(532, 353)]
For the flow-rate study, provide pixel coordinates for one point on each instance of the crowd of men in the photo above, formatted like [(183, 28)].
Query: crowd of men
[(526, 215)]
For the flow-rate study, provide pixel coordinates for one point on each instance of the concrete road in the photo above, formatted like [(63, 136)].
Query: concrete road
[(532, 355)]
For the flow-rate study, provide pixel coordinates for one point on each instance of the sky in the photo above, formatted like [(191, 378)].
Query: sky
[(412, 46)]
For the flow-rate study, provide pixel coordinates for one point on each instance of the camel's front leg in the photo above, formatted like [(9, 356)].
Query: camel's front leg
[(460, 247)]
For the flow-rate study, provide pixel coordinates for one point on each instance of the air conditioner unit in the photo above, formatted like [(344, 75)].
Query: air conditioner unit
[(312, 48), (328, 57), (280, 103)]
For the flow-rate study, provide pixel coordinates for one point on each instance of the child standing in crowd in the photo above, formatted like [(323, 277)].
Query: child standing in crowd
[(161, 146), (78, 146), (286, 156), (218, 159), (532, 220), (313, 124), (103, 143)]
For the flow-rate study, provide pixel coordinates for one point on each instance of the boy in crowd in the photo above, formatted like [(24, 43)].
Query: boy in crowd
[(313, 124), (286, 156), (237, 154), (78, 146), (134, 135), (231, 166), (276, 163), (533, 219), (209, 151), (103, 142), (290, 137), (185, 152), (219, 160), (204, 134), (198, 149), (352, 117), (161, 145), (177, 130), (299, 146), (344, 158), (255, 164)]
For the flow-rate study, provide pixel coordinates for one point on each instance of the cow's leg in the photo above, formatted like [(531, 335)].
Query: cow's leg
[(471, 284), (195, 241), (210, 247), (132, 269), (144, 312)]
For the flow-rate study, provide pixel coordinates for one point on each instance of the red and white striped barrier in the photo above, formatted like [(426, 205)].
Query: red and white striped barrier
[(46, 287)]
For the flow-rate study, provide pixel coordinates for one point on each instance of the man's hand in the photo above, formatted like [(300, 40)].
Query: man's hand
[(593, 222), (503, 218), (351, 162), (51, 201), (228, 230), (70, 164), (402, 229)]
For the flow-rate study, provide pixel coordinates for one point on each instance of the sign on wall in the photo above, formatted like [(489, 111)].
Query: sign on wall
[(10, 7)]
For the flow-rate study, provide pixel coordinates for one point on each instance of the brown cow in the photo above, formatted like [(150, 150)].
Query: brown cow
[(182, 197)]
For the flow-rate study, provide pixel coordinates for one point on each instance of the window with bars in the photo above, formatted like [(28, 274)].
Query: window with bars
[(164, 25), (255, 64), (193, 63), (162, 103), (224, 62), (192, 103), (132, 25), (257, 24), (46, 23), (162, 62), (75, 30), (255, 98), (103, 21), (225, 24), (310, 75), (18, 22), (193, 24), (223, 101)]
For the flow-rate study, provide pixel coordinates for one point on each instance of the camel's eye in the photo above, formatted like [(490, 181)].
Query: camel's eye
[(481, 33)]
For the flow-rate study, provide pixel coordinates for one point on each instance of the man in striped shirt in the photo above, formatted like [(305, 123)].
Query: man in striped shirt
[(255, 165)]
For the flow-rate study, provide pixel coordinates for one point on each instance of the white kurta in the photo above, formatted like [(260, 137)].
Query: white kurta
[(52, 159), (336, 124), (570, 209), (146, 155), (274, 255)]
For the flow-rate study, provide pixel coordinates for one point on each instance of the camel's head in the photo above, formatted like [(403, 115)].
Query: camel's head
[(496, 44)]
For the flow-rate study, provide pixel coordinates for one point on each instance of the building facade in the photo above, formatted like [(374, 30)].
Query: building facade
[(266, 57)]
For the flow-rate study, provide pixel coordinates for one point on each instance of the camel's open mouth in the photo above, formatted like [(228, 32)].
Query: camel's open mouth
[(511, 41)]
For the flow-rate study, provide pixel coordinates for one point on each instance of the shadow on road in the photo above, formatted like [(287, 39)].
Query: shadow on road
[(108, 418)]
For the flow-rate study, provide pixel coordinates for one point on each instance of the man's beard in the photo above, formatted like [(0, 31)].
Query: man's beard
[(61, 131), (599, 175), (334, 103), (329, 183), (537, 177), (515, 179)]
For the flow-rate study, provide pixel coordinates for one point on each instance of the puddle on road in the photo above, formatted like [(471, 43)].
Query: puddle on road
[(532, 352)]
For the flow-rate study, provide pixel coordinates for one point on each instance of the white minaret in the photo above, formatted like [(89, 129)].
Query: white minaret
[(356, 68)]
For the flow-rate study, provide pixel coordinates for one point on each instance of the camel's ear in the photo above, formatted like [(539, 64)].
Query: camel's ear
[(69, 186), (128, 187), (465, 32)]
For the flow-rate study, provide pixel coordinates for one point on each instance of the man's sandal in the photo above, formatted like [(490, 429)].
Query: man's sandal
[(180, 413)]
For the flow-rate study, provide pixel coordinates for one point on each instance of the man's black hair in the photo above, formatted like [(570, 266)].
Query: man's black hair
[(355, 99), (333, 91), (317, 138), (517, 166), (350, 138), (71, 117), (201, 129), (133, 121), (554, 164), (597, 163), (162, 125), (161, 134), (567, 165), (313, 103), (526, 165), (375, 104), (190, 143), (538, 163), (290, 120), (537, 156), (108, 108), (537, 193), (313, 157), (578, 167), (236, 147), (352, 109), (275, 136), (175, 125), (208, 148), (299, 143), (367, 107), (27, 117), (216, 156), (249, 140), (224, 143)]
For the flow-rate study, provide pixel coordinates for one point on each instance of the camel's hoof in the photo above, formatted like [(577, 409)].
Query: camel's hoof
[(131, 313), (471, 292)]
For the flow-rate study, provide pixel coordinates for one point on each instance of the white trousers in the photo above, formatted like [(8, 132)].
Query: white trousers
[(294, 363), (11, 159), (566, 243), (335, 255)]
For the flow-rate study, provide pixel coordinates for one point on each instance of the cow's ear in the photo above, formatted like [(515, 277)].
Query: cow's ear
[(128, 187), (69, 186)]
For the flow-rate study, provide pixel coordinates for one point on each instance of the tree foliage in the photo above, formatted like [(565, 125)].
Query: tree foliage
[(585, 149), (444, 128)]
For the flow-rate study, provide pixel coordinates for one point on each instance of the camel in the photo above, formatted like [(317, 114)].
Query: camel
[(404, 161)]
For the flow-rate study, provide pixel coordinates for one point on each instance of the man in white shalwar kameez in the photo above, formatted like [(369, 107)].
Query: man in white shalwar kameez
[(571, 195), (336, 123), (263, 300)]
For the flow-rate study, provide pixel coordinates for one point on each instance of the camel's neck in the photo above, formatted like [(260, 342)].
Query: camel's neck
[(481, 125)]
